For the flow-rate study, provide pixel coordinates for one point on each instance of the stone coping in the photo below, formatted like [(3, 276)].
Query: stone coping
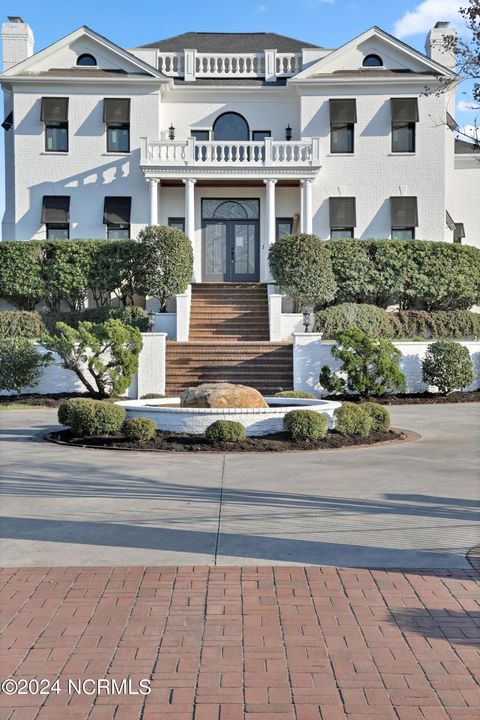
[(283, 403)]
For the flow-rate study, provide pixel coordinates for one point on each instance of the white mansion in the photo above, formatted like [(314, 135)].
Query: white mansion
[(236, 138)]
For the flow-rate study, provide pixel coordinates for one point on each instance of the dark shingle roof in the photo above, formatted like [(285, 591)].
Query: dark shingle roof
[(230, 42), (233, 82), (85, 72)]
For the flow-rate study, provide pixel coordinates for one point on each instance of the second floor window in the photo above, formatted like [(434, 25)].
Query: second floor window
[(116, 116), (54, 115), (56, 216), (284, 226), (404, 119), (343, 116)]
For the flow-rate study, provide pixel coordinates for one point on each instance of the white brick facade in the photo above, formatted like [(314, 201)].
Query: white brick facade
[(302, 82)]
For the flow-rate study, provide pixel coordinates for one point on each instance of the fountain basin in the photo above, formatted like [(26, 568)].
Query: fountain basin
[(170, 417)]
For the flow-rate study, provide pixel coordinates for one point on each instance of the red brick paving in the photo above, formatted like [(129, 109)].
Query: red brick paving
[(228, 643)]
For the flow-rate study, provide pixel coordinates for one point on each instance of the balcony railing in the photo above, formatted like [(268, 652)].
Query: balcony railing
[(200, 153), (191, 64)]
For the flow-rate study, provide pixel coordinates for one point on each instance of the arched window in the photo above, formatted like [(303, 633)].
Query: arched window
[(86, 60), (231, 126), (372, 61)]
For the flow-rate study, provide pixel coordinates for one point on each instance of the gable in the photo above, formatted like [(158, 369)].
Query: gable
[(397, 57), (62, 56)]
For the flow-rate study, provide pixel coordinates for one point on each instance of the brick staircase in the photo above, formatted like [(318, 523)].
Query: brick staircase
[(229, 342)]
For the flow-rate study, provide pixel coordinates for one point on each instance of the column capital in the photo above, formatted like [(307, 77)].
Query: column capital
[(270, 181), (153, 181), (189, 181), (306, 181)]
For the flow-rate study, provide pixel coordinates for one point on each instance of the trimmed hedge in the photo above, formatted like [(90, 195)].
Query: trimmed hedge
[(225, 431), (139, 429), (352, 419), (305, 424), (379, 414), (416, 274), (160, 264), (130, 315), (20, 323), (89, 418), (295, 394), (377, 322)]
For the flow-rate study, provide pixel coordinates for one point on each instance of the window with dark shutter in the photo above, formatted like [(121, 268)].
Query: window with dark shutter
[(116, 116), (116, 216), (56, 216), (404, 116), (404, 217), (343, 116), (458, 232), (343, 217), (54, 115)]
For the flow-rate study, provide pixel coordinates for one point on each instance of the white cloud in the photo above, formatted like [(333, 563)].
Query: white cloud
[(426, 14), (463, 106)]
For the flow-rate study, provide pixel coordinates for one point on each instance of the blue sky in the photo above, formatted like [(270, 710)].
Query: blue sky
[(329, 23)]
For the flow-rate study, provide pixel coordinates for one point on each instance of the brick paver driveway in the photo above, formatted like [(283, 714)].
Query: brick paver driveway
[(261, 643)]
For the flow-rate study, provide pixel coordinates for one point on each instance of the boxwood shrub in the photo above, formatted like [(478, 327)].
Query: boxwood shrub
[(295, 394), (130, 315), (353, 419), (379, 414), (96, 417), (448, 366), (373, 320), (139, 429), (305, 424), (67, 408), (225, 431)]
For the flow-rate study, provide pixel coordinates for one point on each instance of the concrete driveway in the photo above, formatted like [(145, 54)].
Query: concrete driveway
[(412, 505)]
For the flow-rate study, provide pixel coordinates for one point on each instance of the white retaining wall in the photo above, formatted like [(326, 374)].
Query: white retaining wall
[(150, 377), (310, 353)]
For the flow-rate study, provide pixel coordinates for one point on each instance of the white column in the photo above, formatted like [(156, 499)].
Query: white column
[(190, 207), (270, 208), (307, 207), (302, 209), (153, 201)]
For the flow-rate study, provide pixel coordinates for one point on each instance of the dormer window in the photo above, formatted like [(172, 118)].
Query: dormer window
[(372, 61), (86, 60)]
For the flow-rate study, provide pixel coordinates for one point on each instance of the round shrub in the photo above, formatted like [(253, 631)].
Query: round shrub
[(139, 429), (305, 424), (352, 419), (66, 409), (448, 366), (295, 394), (20, 364), (372, 320), (95, 417), (225, 431), (379, 414), (301, 265), (20, 323)]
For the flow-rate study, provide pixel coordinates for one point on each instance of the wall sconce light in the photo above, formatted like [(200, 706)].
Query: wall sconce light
[(288, 133), (171, 132)]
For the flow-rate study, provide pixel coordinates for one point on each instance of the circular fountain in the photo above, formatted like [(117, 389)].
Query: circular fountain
[(171, 415)]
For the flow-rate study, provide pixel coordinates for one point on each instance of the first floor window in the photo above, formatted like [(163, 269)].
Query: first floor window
[(116, 216), (56, 216), (343, 217), (58, 231), (116, 116), (177, 222), (339, 233), (284, 226), (404, 217), (458, 233), (54, 115)]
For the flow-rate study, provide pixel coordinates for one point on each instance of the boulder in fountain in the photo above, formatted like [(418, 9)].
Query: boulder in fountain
[(222, 395)]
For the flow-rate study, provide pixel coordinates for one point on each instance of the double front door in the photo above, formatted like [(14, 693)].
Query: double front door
[(231, 250)]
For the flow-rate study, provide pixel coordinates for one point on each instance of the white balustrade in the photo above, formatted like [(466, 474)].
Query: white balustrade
[(233, 153), (229, 65)]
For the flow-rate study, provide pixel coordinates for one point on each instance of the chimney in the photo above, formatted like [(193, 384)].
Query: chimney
[(17, 41), (435, 44)]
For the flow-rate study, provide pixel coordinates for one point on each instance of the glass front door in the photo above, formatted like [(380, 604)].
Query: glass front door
[(231, 247), (231, 250)]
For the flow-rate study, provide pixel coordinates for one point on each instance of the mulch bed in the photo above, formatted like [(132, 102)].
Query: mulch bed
[(278, 442)]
